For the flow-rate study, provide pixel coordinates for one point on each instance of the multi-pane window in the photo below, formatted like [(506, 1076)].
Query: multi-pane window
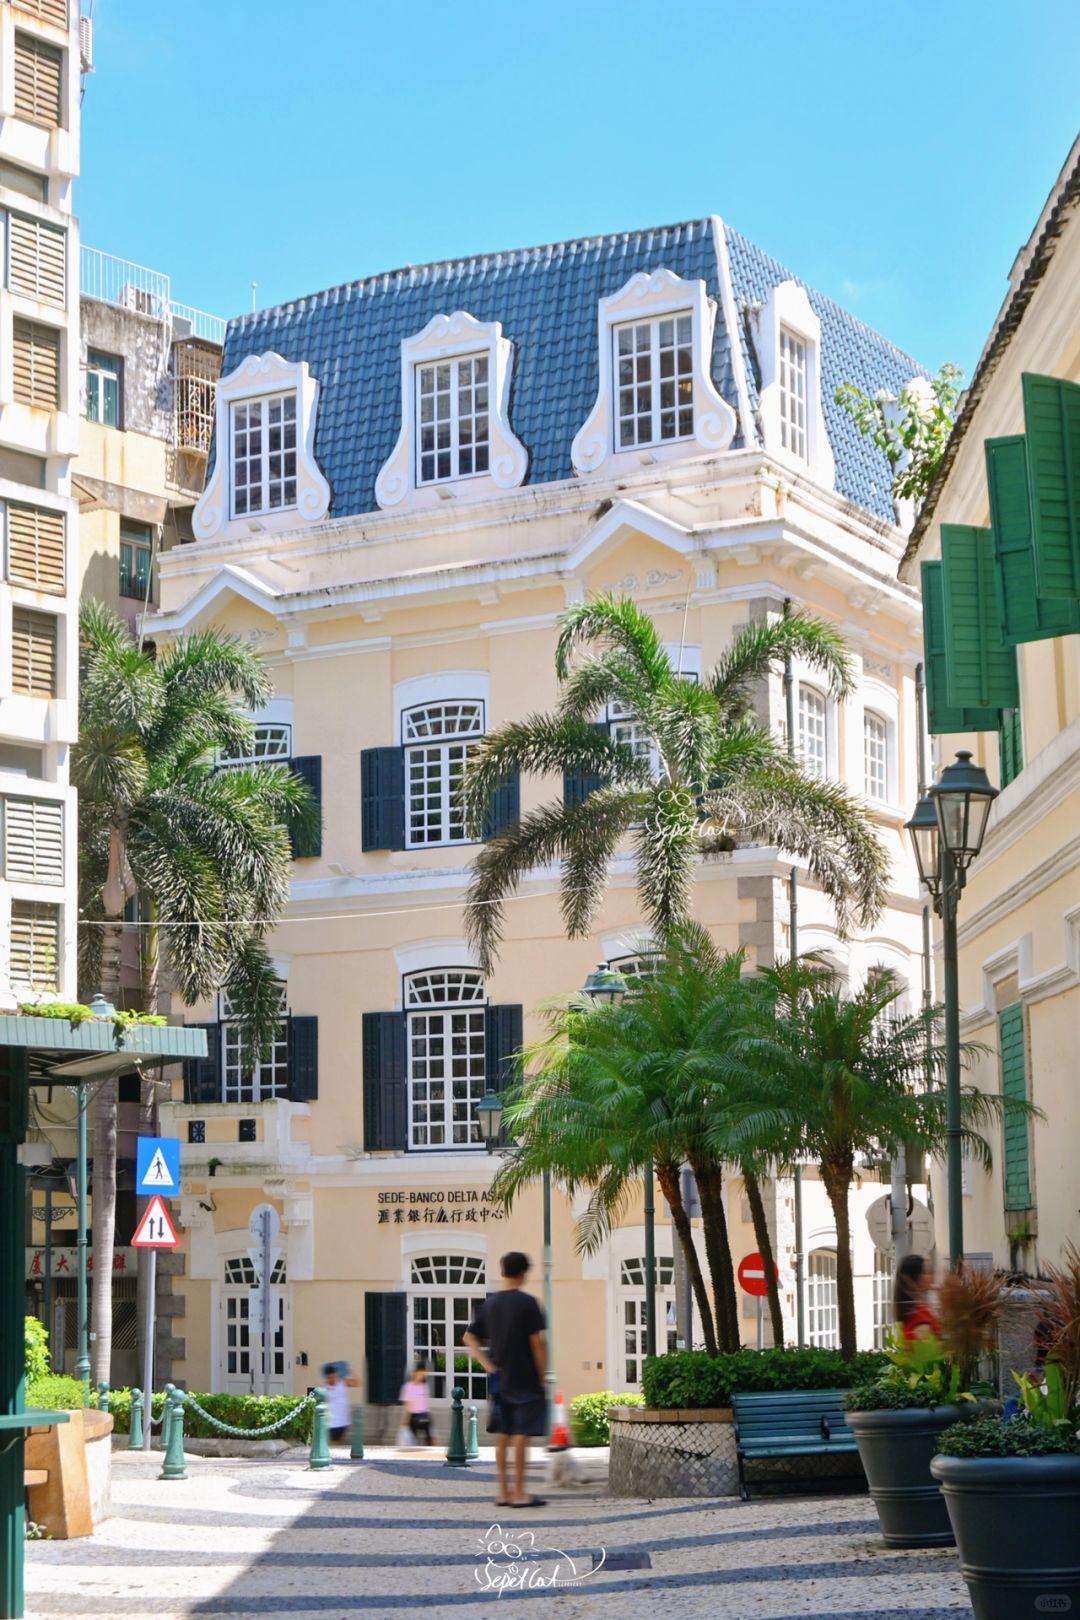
[(812, 732), (876, 757), (34, 959), (447, 1059), (35, 547), (654, 368), (37, 256), (103, 388), (35, 364), (33, 840), (243, 1337), (882, 1297), (792, 393), (271, 743), (39, 71), (822, 1304), (136, 557), (264, 454), (445, 1293), (452, 419), (437, 747), (251, 1083), (633, 1294)]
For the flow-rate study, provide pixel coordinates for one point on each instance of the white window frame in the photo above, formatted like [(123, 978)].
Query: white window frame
[(630, 1323), (649, 296), (872, 781), (882, 701), (276, 467), (450, 750), (882, 1290), (261, 376), (269, 1077), (794, 364), (453, 337), (788, 309), (474, 1292), (815, 692), (822, 1306), (430, 1017), (662, 334), (463, 382), (271, 744)]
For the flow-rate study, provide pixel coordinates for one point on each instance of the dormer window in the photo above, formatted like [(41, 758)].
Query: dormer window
[(655, 368), (787, 336), (793, 393), (452, 406), (264, 454)]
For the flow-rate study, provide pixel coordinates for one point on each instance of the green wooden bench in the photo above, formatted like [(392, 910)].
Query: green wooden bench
[(788, 1424)]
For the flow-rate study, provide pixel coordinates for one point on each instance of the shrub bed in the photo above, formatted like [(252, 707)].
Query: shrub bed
[(692, 1378), (54, 1392), (242, 1411), (589, 1415)]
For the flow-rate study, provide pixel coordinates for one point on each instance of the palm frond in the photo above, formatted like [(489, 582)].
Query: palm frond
[(616, 622), (544, 744), (211, 661), (760, 648)]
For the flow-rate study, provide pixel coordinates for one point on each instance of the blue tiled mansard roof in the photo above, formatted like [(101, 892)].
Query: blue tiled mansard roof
[(546, 299)]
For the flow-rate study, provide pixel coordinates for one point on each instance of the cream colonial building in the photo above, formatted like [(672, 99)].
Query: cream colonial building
[(413, 475), (998, 545)]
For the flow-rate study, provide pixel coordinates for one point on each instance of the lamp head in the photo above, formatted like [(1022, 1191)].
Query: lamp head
[(489, 1113), (962, 797), (605, 984), (926, 843)]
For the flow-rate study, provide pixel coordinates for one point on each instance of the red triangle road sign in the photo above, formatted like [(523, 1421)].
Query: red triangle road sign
[(155, 1230)]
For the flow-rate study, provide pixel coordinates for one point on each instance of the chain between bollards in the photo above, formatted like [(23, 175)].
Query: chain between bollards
[(173, 1466), (320, 1433), (135, 1427), (455, 1452), (472, 1449)]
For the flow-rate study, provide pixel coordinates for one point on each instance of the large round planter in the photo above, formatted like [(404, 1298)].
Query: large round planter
[(1017, 1524), (896, 1449)]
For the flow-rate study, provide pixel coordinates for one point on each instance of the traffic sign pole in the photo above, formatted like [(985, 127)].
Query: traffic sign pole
[(148, 1345)]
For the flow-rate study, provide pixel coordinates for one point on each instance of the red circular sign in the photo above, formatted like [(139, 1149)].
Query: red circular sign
[(752, 1274)]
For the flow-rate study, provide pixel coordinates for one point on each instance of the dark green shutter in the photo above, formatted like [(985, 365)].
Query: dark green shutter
[(202, 1076), (1052, 428), (943, 716), (504, 811), (1014, 1090), (576, 789), (1010, 747), (1023, 615), (385, 1082), (308, 767), (303, 1059), (503, 1036), (385, 1319), (382, 798), (980, 671)]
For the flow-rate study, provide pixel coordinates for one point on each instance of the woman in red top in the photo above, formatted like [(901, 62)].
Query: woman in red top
[(914, 1280)]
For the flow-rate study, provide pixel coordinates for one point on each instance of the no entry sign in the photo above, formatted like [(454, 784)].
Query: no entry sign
[(752, 1274)]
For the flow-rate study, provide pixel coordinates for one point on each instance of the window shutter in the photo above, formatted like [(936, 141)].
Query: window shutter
[(504, 811), (1017, 1169), (33, 653), (36, 259), (35, 547), (1010, 747), (308, 767), (35, 945), (1023, 615), (382, 798), (38, 76), (979, 669), (942, 715), (503, 1035), (1052, 427), (54, 11), (385, 1082), (33, 841), (576, 789), (303, 1059), (202, 1076), (35, 356), (385, 1317)]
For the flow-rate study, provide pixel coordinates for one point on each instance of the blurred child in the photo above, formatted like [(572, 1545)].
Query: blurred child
[(414, 1397), (338, 1379)]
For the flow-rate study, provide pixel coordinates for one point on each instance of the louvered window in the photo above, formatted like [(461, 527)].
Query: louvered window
[(33, 653), (37, 259), (33, 841), (54, 11), (35, 945), (36, 364), (35, 547), (39, 70)]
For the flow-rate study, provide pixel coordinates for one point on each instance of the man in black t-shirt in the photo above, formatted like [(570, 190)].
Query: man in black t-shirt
[(507, 1338)]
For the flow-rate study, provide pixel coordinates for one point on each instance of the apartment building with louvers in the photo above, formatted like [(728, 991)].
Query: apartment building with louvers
[(997, 547), (412, 476), (39, 432)]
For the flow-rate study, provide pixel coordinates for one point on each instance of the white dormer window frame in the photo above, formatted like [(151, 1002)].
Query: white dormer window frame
[(436, 354), (650, 299), (788, 342), (258, 382)]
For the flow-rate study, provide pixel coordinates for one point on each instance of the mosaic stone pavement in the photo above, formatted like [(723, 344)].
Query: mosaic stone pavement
[(399, 1537)]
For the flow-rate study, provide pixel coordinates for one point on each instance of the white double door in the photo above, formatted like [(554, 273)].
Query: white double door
[(241, 1357)]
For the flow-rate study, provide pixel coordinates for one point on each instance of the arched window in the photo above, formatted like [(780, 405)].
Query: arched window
[(813, 735), (876, 756), (445, 1293), (241, 1355), (882, 1297), (822, 1305), (437, 747), (447, 1057)]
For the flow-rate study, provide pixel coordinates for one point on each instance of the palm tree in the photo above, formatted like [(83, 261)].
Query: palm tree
[(209, 849), (706, 774)]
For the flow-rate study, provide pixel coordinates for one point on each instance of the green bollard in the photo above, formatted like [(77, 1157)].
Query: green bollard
[(320, 1433), (135, 1434), (173, 1466), (103, 1397), (472, 1449), (455, 1451), (356, 1433)]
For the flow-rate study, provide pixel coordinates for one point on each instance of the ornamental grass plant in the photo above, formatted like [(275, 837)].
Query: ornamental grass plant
[(933, 1370)]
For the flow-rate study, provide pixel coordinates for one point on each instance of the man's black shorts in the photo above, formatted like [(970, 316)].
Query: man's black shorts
[(508, 1416)]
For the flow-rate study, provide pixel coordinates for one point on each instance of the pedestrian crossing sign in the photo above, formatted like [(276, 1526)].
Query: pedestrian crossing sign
[(155, 1230), (157, 1165)]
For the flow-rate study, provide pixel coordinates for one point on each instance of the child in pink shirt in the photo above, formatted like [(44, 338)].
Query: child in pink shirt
[(414, 1396)]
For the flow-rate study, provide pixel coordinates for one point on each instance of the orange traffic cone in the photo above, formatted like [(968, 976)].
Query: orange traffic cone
[(560, 1433)]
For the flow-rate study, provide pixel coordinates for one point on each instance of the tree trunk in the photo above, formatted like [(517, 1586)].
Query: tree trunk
[(668, 1178), (765, 1249), (837, 1182), (718, 1249)]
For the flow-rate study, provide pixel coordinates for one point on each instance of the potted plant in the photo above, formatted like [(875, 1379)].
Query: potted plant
[(929, 1385), (1012, 1488)]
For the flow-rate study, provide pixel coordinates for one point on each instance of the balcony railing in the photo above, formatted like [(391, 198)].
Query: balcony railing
[(146, 292)]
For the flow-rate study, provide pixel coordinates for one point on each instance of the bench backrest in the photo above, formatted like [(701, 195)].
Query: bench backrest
[(795, 1414)]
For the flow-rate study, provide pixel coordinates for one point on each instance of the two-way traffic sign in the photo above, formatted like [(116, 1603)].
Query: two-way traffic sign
[(157, 1165), (155, 1230)]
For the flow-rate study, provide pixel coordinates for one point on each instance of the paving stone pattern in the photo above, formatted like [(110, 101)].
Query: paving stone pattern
[(399, 1537)]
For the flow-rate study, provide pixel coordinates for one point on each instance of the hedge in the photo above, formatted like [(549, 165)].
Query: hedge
[(692, 1378), (55, 1393), (242, 1411), (589, 1415)]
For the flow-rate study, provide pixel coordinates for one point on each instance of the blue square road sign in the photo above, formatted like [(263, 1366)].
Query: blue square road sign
[(157, 1165)]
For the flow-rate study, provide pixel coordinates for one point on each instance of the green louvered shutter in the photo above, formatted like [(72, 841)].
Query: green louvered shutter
[(942, 715), (1052, 426), (1017, 1168), (1010, 747), (1023, 615), (385, 1344), (980, 670)]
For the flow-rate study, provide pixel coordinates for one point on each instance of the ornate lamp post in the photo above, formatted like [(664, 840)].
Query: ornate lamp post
[(947, 831)]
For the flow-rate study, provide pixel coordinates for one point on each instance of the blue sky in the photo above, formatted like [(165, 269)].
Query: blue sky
[(896, 156)]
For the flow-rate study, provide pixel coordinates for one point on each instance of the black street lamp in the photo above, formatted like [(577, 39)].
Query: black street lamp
[(947, 831), (489, 1113)]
